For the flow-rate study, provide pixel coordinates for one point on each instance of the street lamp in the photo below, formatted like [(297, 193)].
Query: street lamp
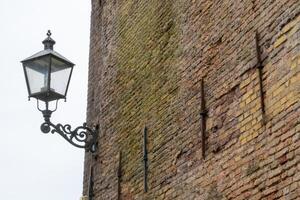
[(48, 75)]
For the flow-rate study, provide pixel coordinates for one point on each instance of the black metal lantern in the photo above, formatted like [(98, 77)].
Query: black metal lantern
[(48, 75)]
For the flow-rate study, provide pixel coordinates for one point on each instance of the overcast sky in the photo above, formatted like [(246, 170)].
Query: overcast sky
[(33, 165)]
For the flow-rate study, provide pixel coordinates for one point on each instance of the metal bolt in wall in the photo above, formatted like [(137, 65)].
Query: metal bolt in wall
[(203, 114), (145, 159)]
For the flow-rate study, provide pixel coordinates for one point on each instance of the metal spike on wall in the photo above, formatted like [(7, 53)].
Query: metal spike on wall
[(259, 67), (145, 159), (91, 185), (119, 175), (203, 114)]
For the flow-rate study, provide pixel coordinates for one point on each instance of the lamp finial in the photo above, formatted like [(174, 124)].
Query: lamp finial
[(49, 33), (48, 42)]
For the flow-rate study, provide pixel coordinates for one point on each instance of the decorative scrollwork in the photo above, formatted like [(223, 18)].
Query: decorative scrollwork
[(81, 137)]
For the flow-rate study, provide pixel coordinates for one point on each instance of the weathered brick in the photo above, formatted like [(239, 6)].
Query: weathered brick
[(147, 59)]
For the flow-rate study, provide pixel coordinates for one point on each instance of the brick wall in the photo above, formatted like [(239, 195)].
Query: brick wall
[(147, 62)]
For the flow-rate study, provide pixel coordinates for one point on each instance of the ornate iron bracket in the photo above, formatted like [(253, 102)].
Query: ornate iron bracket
[(81, 137)]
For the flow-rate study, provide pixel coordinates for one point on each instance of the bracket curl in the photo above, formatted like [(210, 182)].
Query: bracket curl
[(81, 137)]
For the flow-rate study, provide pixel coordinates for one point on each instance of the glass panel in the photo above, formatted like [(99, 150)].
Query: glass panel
[(37, 74), (60, 73)]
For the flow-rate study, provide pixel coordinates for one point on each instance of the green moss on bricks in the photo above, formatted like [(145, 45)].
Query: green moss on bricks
[(147, 42)]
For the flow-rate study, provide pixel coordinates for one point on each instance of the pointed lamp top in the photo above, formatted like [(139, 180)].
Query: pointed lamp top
[(48, 42)]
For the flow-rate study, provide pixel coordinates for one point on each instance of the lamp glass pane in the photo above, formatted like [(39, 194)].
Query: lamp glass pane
[(60, 73), (37, 74)]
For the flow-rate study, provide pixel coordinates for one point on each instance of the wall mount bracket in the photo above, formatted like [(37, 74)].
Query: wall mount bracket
[(82, 136)]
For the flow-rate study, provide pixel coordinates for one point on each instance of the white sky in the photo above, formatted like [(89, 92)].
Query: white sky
[(33, 165)]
